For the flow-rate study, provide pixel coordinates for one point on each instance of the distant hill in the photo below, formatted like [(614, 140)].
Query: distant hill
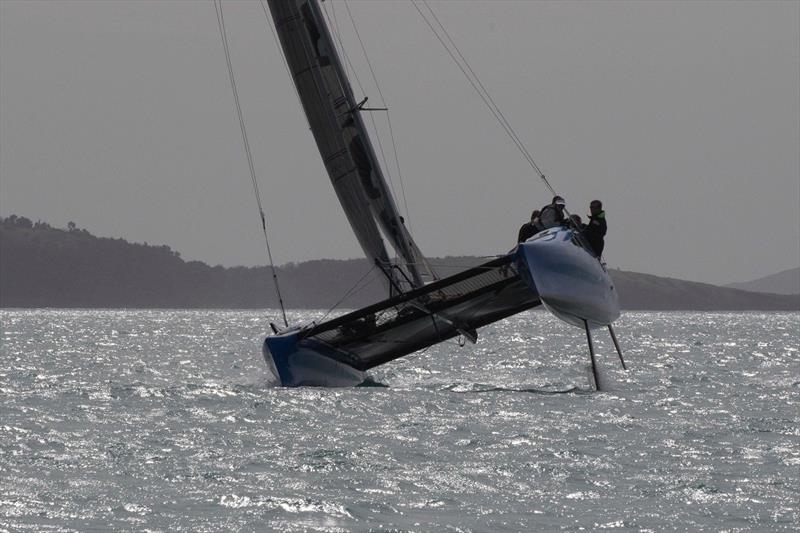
[(42, 266), (645, 291), (785, 282)]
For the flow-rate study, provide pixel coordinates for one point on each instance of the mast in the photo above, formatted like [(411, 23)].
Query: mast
[(342, 139)]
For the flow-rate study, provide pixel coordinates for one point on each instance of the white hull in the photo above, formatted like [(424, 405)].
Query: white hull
[(571, 282)]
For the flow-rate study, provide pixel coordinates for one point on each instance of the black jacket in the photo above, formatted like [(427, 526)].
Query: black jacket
[(527, 231), (595, 232)]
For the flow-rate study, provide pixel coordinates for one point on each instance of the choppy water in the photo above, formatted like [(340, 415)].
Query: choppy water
[(167, 421)]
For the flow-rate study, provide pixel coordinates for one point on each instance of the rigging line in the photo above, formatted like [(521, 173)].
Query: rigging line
[(383, 154), (463, 267), (510, 130), (470, 80), (248, 152), (350, 292), (364, 50), (483, 93), (499, 114), (463, 71), (477, 79), (485, 97), (335, 30), (388, 115), (399, 173)]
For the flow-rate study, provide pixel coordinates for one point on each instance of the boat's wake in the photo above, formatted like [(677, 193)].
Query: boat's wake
[(481, 388), (462, 388), (478, 388), (370, 382), (528, 390)]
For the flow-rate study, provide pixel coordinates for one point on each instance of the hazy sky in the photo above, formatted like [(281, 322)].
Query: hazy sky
[(683, 117)]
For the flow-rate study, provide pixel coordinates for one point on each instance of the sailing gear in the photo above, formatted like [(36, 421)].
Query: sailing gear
[(526, 231), (529, 229), (595, 232)]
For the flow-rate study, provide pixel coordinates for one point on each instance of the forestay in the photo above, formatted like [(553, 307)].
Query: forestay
[(334, 117)]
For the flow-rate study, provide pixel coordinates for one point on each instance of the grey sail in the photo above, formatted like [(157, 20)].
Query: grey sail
[(342, 140)]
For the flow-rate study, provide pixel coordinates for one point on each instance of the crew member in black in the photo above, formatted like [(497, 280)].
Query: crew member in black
[(553, 214), (528, 229), (595, 230)]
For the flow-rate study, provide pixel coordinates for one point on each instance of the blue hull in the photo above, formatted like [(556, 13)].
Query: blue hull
[(299, 363)]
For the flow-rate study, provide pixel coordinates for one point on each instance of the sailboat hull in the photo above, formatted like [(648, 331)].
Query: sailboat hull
[(571, 282), (298, 363)]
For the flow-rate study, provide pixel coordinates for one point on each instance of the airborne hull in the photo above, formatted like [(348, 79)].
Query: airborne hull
[(571, 282)]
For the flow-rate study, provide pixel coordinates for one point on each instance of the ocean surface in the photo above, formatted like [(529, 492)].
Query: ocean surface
[(169, 421)]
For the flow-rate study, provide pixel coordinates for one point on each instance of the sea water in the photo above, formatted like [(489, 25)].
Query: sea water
[(170, 421)]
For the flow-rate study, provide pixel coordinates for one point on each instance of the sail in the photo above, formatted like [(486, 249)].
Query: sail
[(341, 137)]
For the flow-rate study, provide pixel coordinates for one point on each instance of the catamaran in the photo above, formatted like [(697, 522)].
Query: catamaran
[(554, 268)]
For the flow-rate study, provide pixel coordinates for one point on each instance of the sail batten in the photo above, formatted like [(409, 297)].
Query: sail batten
[(341, 135)]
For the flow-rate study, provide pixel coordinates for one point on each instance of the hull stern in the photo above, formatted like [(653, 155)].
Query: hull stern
[(298, 363)]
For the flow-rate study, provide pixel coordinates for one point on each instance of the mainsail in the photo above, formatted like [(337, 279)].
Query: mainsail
[(341, 137)]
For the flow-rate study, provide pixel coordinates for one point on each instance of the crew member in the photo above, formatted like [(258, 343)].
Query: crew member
[(528, 230), (595, 230), (553, 214)]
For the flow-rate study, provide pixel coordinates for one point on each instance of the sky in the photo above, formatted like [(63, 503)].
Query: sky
[(683, 117)]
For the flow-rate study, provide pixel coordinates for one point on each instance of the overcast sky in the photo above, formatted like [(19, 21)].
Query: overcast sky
[(683, 117)]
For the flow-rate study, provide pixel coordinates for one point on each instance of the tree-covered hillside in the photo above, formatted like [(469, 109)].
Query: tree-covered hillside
[(43, 266)]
